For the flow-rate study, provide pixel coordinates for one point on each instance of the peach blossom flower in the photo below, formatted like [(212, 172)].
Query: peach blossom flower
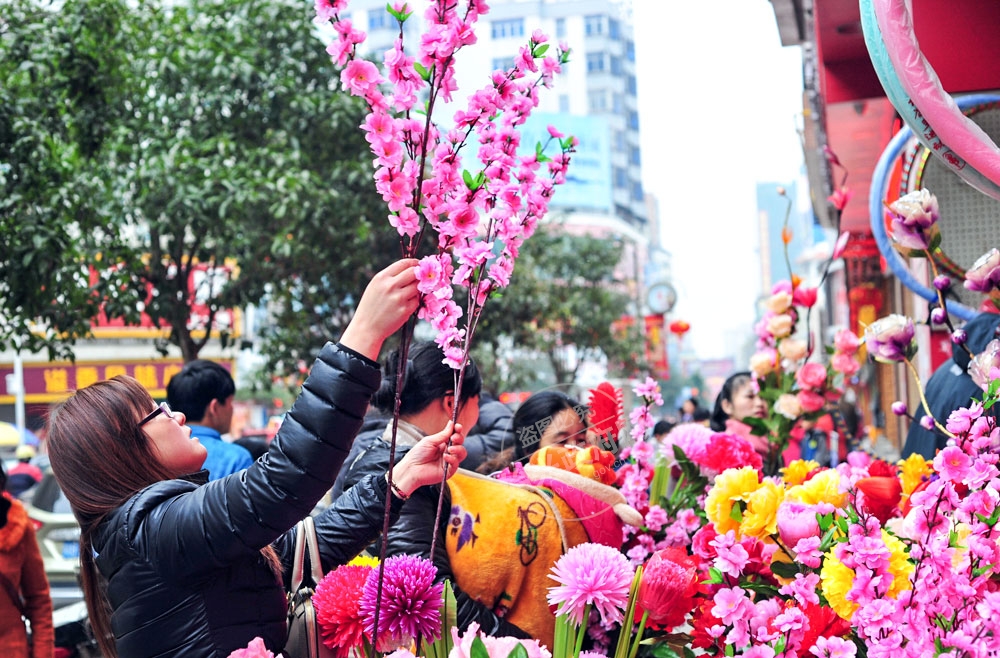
[(788, 406), (780, 326)]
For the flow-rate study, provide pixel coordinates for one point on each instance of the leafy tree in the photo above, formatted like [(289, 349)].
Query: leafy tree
[(210, 133), (563, 299), (64, 78)]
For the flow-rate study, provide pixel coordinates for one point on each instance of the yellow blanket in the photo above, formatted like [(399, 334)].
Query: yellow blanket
[(504, 538)]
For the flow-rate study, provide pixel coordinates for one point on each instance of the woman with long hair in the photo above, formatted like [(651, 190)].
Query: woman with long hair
[(174, 565)]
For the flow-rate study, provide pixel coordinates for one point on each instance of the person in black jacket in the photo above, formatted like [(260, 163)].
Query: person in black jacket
[(174, 565), (951, 387), (492, 434), (426, 404)]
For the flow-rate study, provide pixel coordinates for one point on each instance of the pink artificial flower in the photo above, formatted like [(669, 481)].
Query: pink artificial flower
[(846, 341), (952, 463), (591, 575), (255, 649), (982, 365), (840, 246), (846, 364), (410, 602), (810, 401), (359, 76), (496, 647), (890, 339), (984, 275), (805, 297), (840, 197), (811, 376), (796, 521)]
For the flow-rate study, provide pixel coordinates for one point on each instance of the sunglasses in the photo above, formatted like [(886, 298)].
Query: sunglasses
[(162, 408)]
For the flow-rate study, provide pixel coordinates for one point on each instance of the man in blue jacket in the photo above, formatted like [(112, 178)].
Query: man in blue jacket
[(203, 391)]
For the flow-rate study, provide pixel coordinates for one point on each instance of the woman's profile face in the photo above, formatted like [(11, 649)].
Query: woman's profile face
[(745, 402), (172, 442), (565, 429)]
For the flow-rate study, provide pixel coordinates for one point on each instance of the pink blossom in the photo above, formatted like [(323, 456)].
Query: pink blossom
[(952, 463), (845, 363), (359, 76), (255, 649), (833, 647), (846, 341), (811, 376), (731, 604), (807, 551)]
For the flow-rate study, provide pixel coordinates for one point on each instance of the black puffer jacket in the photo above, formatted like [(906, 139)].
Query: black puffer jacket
[(491, 433), (412, 532), (182, 559), (951, 387)]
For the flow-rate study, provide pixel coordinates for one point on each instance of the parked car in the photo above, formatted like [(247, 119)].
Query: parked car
[(58, 538)]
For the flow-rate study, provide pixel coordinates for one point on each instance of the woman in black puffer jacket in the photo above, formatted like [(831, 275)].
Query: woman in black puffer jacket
[(175, 566)]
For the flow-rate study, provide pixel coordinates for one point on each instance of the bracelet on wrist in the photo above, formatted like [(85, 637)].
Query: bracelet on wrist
[(396, 491)]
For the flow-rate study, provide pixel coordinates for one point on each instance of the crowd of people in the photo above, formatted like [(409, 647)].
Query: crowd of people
[(186, 537)]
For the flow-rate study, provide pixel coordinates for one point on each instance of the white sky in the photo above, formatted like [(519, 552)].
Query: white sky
[(719, 104)]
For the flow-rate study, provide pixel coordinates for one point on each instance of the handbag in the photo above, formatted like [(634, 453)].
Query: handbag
[(303, 631)]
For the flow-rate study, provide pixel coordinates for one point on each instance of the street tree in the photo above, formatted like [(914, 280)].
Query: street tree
[(562, 304), (225, 167)]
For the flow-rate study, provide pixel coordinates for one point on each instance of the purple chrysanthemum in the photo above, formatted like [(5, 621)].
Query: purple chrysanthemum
[(411, 600), (592, 574)]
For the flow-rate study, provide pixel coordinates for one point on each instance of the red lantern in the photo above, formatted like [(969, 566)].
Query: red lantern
[(679, 328)]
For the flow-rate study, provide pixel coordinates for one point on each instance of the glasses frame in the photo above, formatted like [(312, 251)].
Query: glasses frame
[(162, 408)]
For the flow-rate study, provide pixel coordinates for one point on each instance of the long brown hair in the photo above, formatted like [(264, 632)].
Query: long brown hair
[(101, 458)]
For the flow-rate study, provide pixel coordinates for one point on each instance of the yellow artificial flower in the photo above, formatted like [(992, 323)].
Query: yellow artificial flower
[(836, 579), (824, 487), (364, 561), (796, 472), (761, 516), (731, 485), (912, 472), (959, 546)]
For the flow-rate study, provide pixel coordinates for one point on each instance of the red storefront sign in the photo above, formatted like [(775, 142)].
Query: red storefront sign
[(51, 382), (656, 347)]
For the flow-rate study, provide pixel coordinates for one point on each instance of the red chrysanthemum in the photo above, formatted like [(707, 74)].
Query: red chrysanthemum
[(338, 608), (668, 588)]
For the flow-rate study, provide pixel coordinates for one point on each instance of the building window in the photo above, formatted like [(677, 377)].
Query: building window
[(621, 178), (637, 191), (633, 156), (503, 63), (617, 68), (630, 51), (564, 103), (507, 29), (598, 100), (560, 28), (379, 19), (633, 120), (614, 29), (619, 141), (617, 103), (593, 25), (631, 86), (595, 62)]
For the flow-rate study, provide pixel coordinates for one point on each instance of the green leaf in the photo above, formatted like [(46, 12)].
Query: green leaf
[(518, 651), (478, 649), (736, 512), (422, 71), (785, 569), (714, 576), (539, 51)]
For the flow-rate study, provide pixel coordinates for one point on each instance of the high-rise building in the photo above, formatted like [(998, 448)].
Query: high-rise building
[(594, 98)]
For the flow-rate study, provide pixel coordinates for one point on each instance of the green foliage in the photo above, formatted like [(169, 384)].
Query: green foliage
[(564, 292), (206, 132)]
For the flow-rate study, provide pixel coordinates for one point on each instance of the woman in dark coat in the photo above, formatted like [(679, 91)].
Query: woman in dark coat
[(173, 565), (427, 402)]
